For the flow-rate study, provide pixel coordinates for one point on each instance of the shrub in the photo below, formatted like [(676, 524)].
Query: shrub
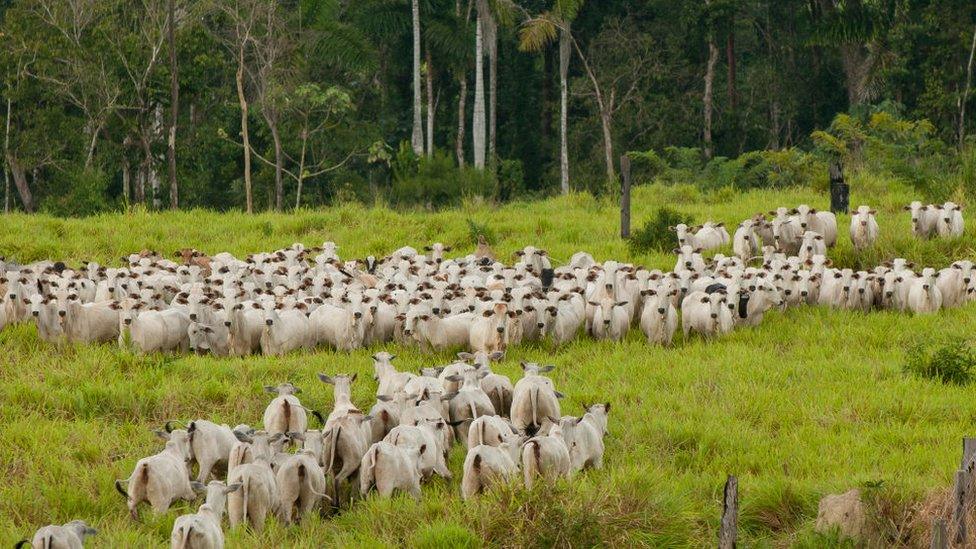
[(510, 179), (950, 361), (436, 181), (85, 195), (656, 235)]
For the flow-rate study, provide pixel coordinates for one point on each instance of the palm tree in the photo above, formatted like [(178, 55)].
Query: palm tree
[(538, 33), (478, 122)]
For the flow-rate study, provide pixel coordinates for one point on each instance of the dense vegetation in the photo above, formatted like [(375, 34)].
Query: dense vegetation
[(813, 401), (360, 100)]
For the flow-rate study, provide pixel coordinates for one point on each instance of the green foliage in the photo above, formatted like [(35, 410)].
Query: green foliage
[(436, 181), (948, 361), (752, 170), (656, 234), (511, 179), (86, 195)]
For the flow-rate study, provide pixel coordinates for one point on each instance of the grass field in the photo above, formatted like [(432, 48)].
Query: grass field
[(811, 402)]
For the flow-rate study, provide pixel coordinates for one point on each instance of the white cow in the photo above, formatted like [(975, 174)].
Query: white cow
[(864, 228)]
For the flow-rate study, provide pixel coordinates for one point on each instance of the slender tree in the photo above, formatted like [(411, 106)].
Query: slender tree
[(536, 34), (478, 121), (417, 138), (709, 80), (965, 93), (174, 94)]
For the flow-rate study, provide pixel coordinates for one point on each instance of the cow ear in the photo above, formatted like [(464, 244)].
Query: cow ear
[(428, 248), (232, 488), (704, 300), (486, 314), (676, 251), (161, 434), (353, 378), (906, 208), (270, 389), (872, 212), (326, 379)]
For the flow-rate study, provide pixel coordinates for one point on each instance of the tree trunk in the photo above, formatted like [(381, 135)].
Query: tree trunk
[(91, 143), (279, 163), (730, 61), (153, 172), (707, 96), (564, 54), (478, 124), (492, 87), (244, 133), (431, 104), (417, 139), (126, 179), (462, 107), (20, 181), (174, 93), (605, 122), (6, 165), (962, 101), (301, 167)]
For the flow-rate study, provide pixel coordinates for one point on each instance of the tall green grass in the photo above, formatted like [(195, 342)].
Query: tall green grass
[(811, 402)]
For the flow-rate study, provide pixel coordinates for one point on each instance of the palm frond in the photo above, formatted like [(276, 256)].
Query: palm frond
[(537, 33)]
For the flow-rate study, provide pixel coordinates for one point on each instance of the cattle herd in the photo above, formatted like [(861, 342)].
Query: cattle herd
[(300, 298), (287, 470)]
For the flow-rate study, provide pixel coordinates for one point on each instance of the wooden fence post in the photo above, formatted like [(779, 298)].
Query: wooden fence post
[(959, 500), (625, 197), (968, 462), (939, 538), (730, 514)]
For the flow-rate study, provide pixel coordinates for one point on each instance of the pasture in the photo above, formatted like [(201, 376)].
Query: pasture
[(812, 401)]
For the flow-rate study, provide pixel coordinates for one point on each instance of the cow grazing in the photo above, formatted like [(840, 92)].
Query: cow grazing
[(585, 436), (202, 530), (301, 486), (535, 401), (486, 465), (285, 413), (468, 403), (161, 478), (66, 536), (546, 456)]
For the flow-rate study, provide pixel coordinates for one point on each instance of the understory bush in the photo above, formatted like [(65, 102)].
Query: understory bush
[(948, 361), (656, 234), (436, 181), (86, 195)]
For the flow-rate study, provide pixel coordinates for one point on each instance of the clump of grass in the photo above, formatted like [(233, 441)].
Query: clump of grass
[(444, 534), (656, 234), (950, 362), (475, 229)]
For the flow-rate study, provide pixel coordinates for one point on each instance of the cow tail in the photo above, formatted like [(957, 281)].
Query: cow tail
[(186, 538), (244, 492), (534, 396), (286, 406), (332, 447)]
